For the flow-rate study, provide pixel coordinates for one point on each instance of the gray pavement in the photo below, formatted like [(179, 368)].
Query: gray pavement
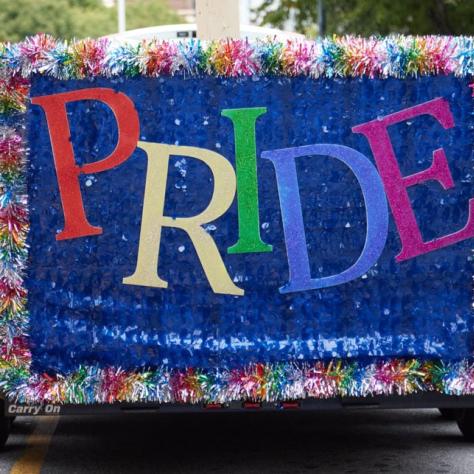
[(362, 441)]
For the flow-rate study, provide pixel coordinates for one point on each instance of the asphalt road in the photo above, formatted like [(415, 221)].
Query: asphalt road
[(362, 441)]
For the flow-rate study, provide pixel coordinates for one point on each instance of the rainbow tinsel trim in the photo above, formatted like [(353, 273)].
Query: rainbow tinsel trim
[(395, 56), (345, 56), (258, 382)]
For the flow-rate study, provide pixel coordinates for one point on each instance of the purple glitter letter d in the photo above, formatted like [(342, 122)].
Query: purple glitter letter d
[(288, 190)]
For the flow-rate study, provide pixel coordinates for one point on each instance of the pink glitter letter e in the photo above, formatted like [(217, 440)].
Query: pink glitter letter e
[(396, 185)]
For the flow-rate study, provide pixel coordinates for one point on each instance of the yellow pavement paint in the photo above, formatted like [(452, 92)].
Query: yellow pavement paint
[(37, 445)]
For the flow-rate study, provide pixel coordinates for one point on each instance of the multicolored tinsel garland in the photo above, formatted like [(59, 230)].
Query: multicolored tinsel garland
[(258, 382), (395, 56), (346, 56)]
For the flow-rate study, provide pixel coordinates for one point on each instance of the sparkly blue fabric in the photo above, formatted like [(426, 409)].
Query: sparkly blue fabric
[(81, 313)]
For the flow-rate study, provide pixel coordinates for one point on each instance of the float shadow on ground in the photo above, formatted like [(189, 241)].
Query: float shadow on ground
[(362, 441)]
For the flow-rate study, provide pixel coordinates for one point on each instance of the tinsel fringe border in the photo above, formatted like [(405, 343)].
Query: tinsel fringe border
[(257, 382), (339, 56), (395, 56)]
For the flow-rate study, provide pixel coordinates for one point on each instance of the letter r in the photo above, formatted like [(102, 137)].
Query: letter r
[(146, 271)]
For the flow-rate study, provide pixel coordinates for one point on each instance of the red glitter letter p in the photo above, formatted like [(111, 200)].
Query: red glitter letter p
[(67, 171)]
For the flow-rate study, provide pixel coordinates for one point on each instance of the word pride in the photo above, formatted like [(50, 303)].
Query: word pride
[(381, 186)]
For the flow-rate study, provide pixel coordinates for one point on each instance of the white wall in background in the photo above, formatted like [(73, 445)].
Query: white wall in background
[(246, 17)]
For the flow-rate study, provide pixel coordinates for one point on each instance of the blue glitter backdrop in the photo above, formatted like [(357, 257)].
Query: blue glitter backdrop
[(82, 313)]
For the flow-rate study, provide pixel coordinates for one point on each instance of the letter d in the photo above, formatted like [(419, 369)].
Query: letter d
[(293, 226)]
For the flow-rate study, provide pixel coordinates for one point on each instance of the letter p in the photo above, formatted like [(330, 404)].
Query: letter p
[(67, 171)]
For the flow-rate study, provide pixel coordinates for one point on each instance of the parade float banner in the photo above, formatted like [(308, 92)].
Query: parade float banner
[(195, 222)]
